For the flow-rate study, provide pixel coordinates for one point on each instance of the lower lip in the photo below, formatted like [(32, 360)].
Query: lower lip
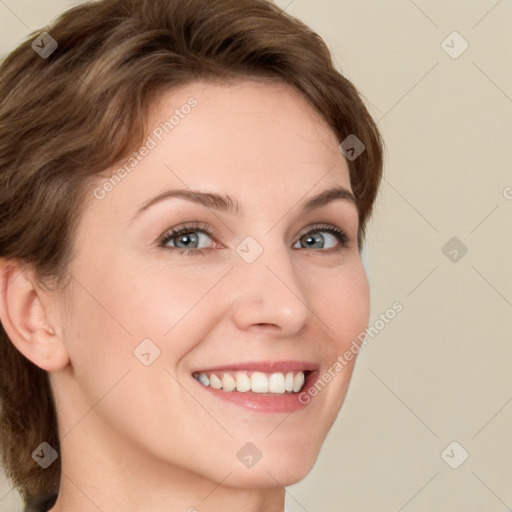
[(265, 403)]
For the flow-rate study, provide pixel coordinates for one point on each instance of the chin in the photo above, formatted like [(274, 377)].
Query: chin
[(269, 475), (282, 462)]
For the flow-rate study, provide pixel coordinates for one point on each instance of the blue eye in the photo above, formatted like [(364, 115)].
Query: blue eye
[(334, 232), (186, 235), (190, 236)]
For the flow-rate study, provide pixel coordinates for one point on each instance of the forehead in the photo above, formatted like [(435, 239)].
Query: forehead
[(259, 142)]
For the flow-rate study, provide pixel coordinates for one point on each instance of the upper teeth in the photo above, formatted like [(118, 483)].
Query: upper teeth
[(257, 382)]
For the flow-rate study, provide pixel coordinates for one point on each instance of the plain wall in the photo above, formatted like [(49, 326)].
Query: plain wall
[(438, 372)]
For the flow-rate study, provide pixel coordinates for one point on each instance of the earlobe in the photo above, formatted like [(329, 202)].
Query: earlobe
[(29, 317)]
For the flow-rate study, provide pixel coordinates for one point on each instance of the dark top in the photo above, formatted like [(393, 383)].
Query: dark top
[(41, 503)]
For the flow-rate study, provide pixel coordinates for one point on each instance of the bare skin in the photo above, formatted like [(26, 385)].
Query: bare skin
[(151, 438)]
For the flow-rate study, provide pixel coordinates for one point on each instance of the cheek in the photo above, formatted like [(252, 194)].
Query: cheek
[(108, 323), (117, 309), (156, 298), (125, 303), (342, 303), (354, 300)]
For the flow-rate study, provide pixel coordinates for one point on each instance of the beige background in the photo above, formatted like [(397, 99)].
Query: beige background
[(440, 371)]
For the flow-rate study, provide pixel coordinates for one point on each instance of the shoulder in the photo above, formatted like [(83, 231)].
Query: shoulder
[(41, 503)]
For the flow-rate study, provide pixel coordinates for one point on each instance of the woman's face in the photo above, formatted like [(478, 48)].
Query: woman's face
[(237, 296)]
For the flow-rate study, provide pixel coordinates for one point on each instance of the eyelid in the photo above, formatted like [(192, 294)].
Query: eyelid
[(185, 227), (322, 226)]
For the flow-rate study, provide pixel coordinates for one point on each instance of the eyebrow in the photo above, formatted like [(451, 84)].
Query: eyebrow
[(224, 203)]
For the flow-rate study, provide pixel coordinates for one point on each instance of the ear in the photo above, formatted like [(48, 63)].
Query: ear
[(30, 317)]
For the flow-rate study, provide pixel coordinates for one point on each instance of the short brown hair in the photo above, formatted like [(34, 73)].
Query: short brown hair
[(69, 115)]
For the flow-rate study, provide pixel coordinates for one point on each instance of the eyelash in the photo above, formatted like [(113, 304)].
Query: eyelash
[(341, 235)]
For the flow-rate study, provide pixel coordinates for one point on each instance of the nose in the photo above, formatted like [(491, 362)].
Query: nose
[(270, 294)]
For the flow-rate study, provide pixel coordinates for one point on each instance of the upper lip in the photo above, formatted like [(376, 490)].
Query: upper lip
[(263, 366)]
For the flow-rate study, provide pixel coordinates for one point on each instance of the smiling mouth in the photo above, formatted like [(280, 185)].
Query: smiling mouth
[(272, 384)]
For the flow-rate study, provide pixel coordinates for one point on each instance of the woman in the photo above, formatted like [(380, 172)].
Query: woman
[(185, 186)]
